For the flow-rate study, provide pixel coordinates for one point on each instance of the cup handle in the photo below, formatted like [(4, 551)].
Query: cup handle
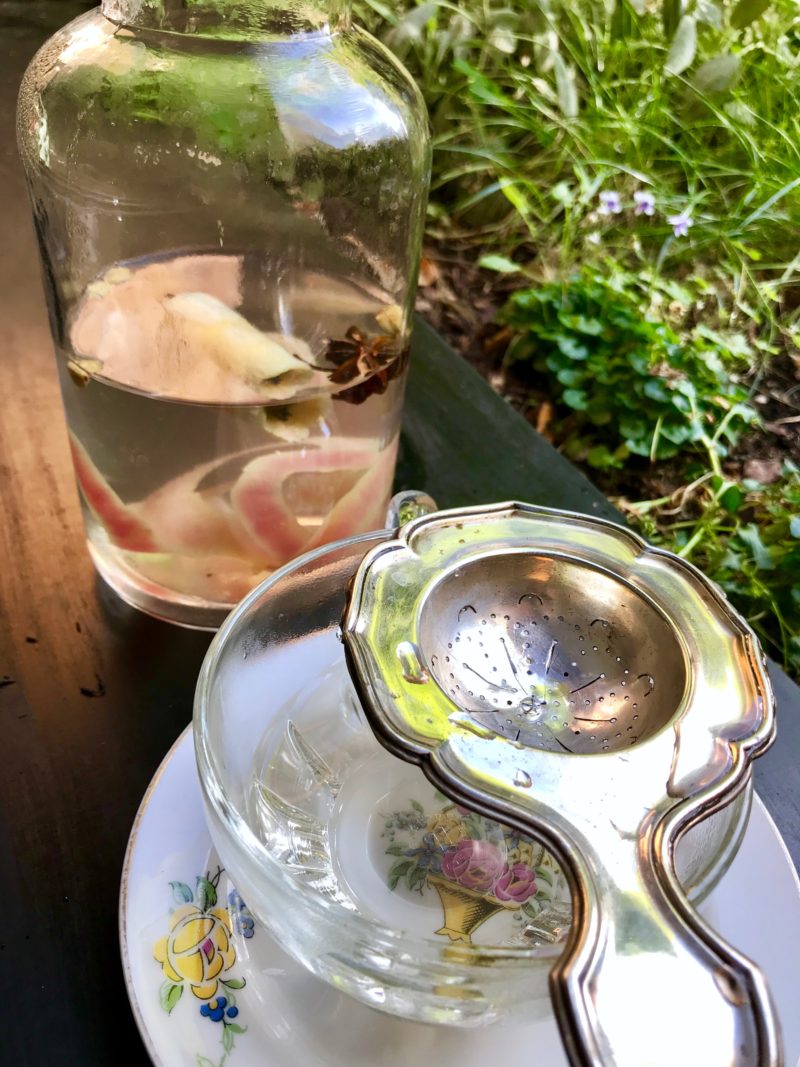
[(407, 505)]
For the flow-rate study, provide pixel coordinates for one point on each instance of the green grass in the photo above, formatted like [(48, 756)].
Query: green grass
[(538, 107), (747, 537)]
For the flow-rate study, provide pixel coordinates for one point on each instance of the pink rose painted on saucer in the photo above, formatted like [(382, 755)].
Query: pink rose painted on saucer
[(517, 884), (478, 869), (474, 864)]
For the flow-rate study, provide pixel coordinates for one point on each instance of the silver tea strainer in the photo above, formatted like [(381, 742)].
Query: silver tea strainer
[(555, 673)]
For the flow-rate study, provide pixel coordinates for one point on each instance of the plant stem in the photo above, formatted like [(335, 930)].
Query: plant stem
[(692, 543)]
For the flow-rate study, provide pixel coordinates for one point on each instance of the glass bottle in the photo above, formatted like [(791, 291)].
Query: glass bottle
[(229, 199)]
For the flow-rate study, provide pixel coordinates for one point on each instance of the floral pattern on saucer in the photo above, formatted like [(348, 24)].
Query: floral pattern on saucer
[(293, 1019), (478, 869), (198, 953)]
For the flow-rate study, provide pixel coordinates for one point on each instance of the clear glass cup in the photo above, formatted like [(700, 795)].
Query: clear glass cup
[(346, 854), (229, 201)]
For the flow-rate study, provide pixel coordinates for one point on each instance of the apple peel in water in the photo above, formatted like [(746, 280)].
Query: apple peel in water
[(123, 526), (216, 579), (252, 529), (260, 499), (192, 522)]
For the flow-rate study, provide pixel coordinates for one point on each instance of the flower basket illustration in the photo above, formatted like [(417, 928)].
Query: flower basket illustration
[(464, 909), (477, 869)]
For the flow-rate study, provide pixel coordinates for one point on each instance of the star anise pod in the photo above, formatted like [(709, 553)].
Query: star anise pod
[(376, 361)]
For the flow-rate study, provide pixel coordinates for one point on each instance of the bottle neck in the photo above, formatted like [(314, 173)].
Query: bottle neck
[(223, 18)]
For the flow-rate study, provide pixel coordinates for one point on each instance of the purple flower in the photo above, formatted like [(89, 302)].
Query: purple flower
[(516, 884), (680, 223), (473, 864), (645, 202), (610, 203)]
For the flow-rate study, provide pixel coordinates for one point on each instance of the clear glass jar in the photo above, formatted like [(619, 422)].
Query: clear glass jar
[(229, 199)]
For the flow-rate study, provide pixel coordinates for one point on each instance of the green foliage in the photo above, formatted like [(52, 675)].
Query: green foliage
[(221, 107), (634, 384), (747, 537), (240, 108)]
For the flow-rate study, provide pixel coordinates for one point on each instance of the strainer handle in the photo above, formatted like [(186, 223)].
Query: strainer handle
[(645, 982)]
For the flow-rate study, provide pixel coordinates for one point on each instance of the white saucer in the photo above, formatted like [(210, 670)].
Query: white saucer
[(302, 1022)]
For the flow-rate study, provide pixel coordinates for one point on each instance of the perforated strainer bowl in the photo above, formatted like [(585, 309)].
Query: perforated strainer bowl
[(277, 668), (532, 660)]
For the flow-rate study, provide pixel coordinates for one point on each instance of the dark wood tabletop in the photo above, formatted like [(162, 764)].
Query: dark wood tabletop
[(93, 693)]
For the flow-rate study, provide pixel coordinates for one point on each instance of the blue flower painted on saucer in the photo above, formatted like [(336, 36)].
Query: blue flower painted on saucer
[(242, 919), (217, 1009)]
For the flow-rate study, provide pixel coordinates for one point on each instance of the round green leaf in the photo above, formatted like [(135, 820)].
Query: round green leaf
[(169, 994), (181, 893)]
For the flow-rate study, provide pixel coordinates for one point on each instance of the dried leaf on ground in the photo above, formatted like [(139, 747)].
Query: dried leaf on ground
[(765, 471)]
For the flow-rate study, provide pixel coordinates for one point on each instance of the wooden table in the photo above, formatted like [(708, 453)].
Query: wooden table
[(94, 693)]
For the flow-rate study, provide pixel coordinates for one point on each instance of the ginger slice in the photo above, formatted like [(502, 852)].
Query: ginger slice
[(210, 328)]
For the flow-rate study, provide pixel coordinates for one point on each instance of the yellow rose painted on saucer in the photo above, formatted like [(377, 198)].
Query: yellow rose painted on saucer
[(447, 827), (199, 953), (198, 949)]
